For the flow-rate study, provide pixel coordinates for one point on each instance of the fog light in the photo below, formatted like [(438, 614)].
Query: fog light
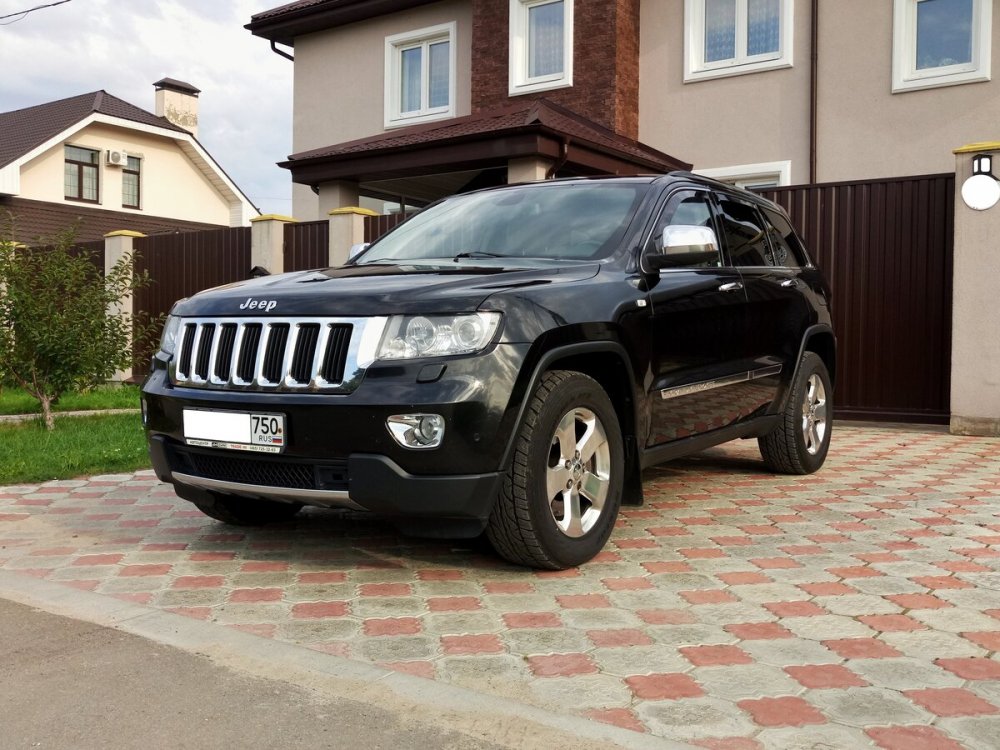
[(416, 430)]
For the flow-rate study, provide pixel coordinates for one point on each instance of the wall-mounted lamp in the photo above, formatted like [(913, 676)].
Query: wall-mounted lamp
[(982, 164), (981, 191)]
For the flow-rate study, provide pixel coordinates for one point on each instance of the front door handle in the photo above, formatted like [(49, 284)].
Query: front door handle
[(789, 283), (732, 286)]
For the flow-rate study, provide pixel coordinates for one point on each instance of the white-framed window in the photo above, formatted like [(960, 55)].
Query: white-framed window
[(541, 45), (735, 37), (752, 176), (940, 43), (420, 75)]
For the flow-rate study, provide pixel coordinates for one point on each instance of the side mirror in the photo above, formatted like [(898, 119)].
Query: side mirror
[(357, 249), (684, 245)]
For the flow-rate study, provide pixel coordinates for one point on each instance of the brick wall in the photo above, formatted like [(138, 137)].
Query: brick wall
[(605, 62)]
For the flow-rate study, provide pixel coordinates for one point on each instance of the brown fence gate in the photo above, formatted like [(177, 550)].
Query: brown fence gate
[(886, 248)]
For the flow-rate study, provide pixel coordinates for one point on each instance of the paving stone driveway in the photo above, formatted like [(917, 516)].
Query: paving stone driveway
[(858, 607)]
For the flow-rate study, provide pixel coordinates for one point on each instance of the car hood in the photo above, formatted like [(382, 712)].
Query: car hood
[(355, 291)]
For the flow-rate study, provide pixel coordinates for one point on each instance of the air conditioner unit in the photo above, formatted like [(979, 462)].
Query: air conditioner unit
[(117, 158)]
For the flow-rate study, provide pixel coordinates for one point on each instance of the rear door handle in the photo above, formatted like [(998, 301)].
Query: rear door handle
[(732, 286), (789, 283)]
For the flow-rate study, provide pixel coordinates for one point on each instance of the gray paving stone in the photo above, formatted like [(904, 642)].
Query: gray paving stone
[(734, 612), (904, 673), (741, 681), (931, 644), (133, 585), (855, 605), (530, 642), (763, 593), (825, 737), (887, 585), (457, 623), (873, 706), (785, 652), (319, 592), (956, 620), (694, 718), (637, 660), (827, 627), (598, 619), (319, 631), (399, 648), (387, 606), (261, 580), (581, 693), (690, 635), (188, 597), (976, 733), (250, 613)]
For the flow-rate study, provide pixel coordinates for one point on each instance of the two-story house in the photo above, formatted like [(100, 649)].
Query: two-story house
[(100, 164), (412, 99)]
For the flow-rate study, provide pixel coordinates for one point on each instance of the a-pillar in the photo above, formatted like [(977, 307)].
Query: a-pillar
[(975, 347), (347, 229), (267, 242), (118, 245)]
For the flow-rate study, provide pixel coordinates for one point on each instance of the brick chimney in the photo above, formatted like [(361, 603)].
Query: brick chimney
[(178, 102)]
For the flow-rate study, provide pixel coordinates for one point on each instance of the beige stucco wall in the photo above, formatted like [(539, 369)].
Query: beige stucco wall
[(721, 122), (339, 80), (975, 349), (864, 130), (171, 185)]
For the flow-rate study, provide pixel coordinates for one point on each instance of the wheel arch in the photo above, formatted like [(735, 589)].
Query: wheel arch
[(821, 340), (609, 364)]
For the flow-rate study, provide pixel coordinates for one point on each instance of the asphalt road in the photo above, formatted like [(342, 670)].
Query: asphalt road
[(67, 684)]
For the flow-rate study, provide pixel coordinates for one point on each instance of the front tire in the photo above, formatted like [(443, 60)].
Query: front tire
[(799, 444), (559, 500), (245, 511)]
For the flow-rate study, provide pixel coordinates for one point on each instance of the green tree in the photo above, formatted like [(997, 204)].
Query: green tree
[(61, 327)]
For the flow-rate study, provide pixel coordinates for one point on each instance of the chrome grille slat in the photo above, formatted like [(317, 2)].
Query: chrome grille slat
[(295, 354)]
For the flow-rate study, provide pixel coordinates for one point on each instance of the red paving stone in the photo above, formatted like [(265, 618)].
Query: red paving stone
[(786, 711), (951, 702), (819, 676), (912, 738), (726, 568), (656, 687)]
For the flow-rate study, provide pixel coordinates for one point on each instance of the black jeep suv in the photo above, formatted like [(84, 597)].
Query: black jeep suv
[(505, 361)]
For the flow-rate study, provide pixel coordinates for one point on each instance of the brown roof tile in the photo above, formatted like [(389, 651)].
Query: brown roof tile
[(539, 114), (23, 129)]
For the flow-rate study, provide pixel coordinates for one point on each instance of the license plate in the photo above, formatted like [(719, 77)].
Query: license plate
[(234, 430)]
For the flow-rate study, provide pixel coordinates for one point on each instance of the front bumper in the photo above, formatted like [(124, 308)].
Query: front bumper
[(339, 452)]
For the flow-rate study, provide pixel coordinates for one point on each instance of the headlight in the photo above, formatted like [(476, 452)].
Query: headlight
[(413, 336), (168, 341)]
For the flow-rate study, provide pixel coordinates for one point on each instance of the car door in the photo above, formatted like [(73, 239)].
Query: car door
[(776, 309), (696, 319)]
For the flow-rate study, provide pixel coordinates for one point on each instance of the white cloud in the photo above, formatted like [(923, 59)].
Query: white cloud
[(123, 46)]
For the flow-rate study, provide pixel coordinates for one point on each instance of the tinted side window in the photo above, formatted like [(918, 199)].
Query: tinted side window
[(687, 208), (788, 251), (745, 234)]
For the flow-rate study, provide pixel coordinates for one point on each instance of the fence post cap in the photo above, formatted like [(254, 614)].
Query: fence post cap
[(353, 210), (124, 233), (975, 148), (273, 217)]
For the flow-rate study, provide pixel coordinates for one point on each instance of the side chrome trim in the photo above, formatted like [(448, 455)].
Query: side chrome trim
[(322, 498), (708, 385)]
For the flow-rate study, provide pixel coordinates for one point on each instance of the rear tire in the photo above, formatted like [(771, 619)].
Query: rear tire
[(799, 444), (246, 511), (558, 502)]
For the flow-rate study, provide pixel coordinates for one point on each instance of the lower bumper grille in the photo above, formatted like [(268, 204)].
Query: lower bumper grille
[(261, 471)]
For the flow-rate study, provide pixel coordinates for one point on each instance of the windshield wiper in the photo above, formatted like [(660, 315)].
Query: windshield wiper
[(478, 254)]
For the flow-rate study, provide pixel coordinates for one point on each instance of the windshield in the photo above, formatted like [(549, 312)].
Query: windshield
[(557, 221)]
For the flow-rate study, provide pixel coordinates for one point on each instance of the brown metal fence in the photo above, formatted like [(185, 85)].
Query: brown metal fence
[(307, 245), (886, 247), (181, 264), (376, 226)]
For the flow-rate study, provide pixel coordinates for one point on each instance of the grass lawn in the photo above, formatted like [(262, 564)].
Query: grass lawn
[(16, 401), (78, 446)]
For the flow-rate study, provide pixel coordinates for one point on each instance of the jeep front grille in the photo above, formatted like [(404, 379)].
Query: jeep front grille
[(275, 354)]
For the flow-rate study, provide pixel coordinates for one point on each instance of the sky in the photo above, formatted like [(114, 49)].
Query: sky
[(123, 46)]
